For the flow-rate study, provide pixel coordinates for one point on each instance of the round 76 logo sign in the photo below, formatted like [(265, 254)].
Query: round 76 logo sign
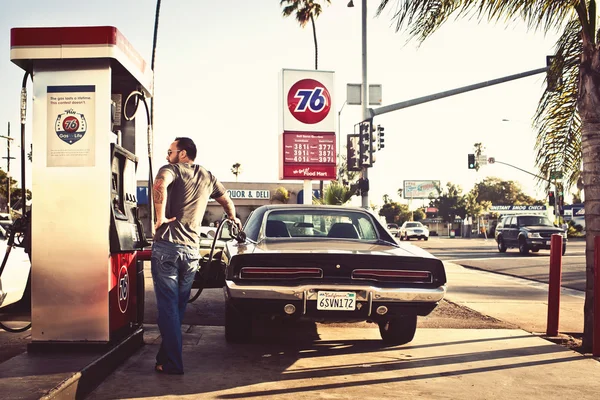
[(309, 101)]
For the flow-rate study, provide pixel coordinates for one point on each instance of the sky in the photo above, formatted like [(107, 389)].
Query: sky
[(217, 72)]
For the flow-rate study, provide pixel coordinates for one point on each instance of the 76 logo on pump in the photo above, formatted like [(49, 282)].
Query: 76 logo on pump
[(70, 126)]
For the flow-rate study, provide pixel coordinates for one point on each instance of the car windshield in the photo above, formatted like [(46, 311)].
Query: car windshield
[(414, 225), (344, 224), (534, 221)]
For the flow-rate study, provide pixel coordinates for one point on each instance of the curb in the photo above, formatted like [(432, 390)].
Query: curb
[(82, 383)]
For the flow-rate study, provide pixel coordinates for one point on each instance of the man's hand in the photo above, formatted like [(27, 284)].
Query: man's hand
[(163, 221), (236, 221)]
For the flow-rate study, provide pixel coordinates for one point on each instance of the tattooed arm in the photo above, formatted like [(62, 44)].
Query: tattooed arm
[(159, 194)]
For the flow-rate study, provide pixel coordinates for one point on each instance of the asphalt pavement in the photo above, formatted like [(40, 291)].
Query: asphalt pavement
[(329, 362)]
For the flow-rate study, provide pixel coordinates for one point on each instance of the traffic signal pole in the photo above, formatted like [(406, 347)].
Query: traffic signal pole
[(556, 211), (365, 96)]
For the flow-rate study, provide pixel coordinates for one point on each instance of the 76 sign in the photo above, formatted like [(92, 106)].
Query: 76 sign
[(309, 101)]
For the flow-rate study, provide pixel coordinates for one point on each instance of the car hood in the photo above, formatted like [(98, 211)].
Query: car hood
[(284, 246), (541, 228)]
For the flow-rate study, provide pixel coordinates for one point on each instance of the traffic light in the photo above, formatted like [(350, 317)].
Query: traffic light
[(366, 143), (471, 161), (561, 199), (353, 153), (551, 197), (380, 138)]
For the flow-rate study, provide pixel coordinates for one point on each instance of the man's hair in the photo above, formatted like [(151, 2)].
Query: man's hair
[(187, 144)]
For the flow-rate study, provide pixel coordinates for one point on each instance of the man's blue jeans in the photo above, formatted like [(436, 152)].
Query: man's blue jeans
[(173, 269)]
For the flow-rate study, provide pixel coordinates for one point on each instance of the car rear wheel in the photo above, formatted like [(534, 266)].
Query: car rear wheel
[(501, 245), (426, 238), (238, 327), (523, 249), (400, 330)]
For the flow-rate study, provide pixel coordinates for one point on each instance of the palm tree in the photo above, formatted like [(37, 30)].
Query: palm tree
[(567, 115), (304, 11), (236, 169), (336, 194)]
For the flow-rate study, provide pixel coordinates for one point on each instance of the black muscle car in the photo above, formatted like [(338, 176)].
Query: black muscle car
[(326, 263)]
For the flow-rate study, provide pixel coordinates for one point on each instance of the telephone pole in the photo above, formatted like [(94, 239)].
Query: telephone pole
[(8, 158)]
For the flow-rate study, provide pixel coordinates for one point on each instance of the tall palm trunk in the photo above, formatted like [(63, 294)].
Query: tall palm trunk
[(312, 21), (589, 99)]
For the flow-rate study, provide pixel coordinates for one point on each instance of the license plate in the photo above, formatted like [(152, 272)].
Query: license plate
[(342, 301), (547, 243)]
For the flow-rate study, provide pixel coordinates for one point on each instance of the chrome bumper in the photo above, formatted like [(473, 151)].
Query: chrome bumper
[(309, 292)]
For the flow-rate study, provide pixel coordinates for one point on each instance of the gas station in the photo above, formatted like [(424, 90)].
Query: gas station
[(87, 279)]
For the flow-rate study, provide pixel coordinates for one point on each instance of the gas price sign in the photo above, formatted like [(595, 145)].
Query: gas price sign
[(309, 148)]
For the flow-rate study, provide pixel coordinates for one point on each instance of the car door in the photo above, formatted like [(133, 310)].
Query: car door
[(510, 230)]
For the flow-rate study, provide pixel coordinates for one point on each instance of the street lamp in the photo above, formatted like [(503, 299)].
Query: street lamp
[(364, 88)]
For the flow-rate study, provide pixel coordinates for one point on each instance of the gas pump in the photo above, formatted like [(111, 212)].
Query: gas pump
[(87, 286)]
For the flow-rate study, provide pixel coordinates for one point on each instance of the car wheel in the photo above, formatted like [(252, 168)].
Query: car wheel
[(523, 249), (238, 327), (400, 330), (426, 238), (501, 245)]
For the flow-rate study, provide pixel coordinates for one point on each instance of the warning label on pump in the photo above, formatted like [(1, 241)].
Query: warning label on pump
[(71, 123)]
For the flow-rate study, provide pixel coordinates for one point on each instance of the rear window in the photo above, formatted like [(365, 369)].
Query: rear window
[(321, 224)]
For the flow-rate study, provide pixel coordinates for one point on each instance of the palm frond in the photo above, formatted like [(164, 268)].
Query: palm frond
[(558, 144), (421, 18)]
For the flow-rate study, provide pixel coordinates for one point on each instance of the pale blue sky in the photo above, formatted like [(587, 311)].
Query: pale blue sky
[(218, 65)]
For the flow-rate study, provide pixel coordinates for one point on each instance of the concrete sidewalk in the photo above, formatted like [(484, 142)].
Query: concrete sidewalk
[(521, 302), (339, 363)]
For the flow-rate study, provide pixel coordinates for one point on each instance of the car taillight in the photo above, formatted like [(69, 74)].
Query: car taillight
[(280, 273), (392, 275)]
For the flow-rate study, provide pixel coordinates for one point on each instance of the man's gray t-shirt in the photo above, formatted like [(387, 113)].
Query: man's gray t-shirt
[(187, 197)]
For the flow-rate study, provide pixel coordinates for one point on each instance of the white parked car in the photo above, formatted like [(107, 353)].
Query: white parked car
[(412, 229), (394, 229)]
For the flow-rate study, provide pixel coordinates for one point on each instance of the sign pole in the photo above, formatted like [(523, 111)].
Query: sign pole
[(307, 190)]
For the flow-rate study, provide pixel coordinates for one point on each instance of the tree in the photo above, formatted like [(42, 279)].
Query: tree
[(501, 192), (304, 11), (450, 203), (236, 169), (15, 192), (336, 194), (418, 215), (567, 113), (281, 195), (394, 212)]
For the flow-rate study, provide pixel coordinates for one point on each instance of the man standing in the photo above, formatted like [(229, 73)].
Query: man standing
[(181, 191)]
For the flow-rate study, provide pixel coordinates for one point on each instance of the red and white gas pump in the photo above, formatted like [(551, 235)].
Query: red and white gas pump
[(85, 232)]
